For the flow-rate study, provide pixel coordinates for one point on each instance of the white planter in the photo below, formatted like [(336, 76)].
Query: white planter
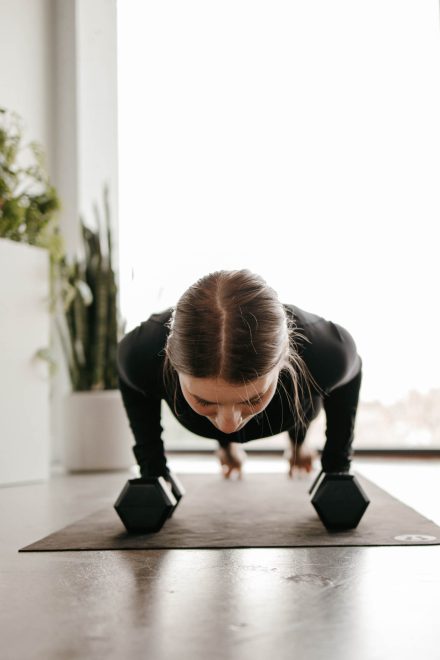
[(24, 379), (97, 432)]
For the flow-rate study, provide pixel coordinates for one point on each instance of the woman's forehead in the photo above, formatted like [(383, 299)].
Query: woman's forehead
[(217, 389)]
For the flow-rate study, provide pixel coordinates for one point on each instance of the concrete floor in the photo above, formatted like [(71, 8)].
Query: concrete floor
[(310, 604)]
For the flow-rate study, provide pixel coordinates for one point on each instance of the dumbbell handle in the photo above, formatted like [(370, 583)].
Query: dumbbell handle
[(315, 482), (318, 478), (176, 486)]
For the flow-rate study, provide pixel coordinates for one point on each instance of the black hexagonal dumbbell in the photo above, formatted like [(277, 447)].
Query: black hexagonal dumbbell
[(339, 500), (145, 504)]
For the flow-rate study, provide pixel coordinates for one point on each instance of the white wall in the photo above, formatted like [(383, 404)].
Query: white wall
[(25, 381), (59, 74), (26, 53), (26, 82), (85, 97)]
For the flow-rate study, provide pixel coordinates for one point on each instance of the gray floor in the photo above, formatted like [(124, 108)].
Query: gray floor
[(342, 603)]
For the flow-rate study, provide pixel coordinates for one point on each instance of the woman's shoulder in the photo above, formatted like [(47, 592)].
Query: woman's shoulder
[(149, 337), (302, 317), (328, 348), (313, 325), (160, 318), (141, 352)]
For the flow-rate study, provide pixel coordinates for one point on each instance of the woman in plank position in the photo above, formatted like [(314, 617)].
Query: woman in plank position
[(235, 364)]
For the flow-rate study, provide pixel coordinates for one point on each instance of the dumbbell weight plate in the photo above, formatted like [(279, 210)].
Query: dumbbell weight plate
[(339, 500), (144, 504)]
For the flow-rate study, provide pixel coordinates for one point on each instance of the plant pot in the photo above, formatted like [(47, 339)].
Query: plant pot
[(97, 432), (24, 379)]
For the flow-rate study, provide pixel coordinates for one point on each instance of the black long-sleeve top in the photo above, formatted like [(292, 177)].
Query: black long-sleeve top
[(329, 352)]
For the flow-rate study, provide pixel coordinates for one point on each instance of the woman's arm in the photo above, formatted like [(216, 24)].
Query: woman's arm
[(139, 381), (143, 413), (340, 409), (334, 362)]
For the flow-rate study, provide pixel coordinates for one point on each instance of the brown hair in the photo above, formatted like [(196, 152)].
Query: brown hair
[(231, 325)]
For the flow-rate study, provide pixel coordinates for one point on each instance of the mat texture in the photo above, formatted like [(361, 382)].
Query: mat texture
[(261, 510)]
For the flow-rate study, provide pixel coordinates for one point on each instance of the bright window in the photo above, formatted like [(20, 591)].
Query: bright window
[(300, 140)]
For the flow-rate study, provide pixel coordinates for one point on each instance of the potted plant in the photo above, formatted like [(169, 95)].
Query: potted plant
[(30, 247), (97, 432)]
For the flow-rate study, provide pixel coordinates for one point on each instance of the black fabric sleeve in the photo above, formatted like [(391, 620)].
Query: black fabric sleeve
[(337, 368), (143, 413), (297, 438), (341, 402), (340, 410), (139, 380), (297, 433)]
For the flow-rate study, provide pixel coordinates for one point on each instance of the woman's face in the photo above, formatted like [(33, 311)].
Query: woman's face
[(228, 407)]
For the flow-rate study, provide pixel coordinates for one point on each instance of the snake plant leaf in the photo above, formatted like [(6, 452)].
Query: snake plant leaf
[(69, 294), (92, 325), (47, 355), (80, 353), (85, 292)]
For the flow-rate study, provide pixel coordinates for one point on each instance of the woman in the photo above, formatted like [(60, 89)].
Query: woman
[(235, 364)]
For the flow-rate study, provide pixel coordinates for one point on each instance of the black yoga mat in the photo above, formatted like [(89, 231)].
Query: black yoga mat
[(261, 510)]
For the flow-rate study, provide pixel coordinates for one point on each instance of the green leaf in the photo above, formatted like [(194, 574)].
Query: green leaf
[(85, 292)]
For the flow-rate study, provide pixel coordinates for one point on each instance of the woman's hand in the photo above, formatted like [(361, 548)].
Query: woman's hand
[(231, 459), (299, 459)]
